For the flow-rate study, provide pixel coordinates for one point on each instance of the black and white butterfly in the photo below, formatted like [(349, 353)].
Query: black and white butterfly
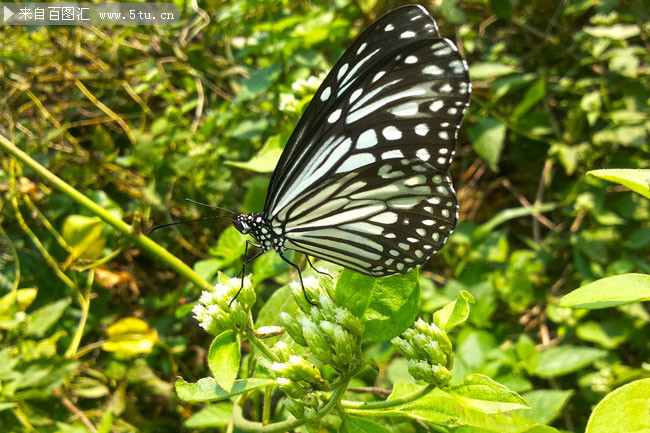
[(363, 181)]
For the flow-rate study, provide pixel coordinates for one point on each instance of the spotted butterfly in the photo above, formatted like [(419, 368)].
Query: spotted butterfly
[(363, 181)]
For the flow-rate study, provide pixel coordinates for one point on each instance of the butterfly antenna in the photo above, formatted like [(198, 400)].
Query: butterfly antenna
[(209, 205), (186, 222)]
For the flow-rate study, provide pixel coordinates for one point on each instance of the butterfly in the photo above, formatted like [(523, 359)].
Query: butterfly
[(363, 180)]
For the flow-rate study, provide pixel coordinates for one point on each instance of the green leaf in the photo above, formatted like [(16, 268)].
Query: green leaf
[(260, 81), (106, 423), (265, 159), (626, 409), (355, 424), (561, 360), (455, 313), (507, 214), (216, 415), (617, 31), (635, 179), (223, 359), (438, 407), (247, 129), (207, 389), (386, 306), (45, 317), (607, 334), (487, 138), (609, 292), (532, 96), (483, 70), (501, 8), (484, 394), (84, 236), (230, 246), (545, 405)]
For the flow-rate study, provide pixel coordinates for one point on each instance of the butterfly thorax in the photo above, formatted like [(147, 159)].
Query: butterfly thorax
[(260, 229)]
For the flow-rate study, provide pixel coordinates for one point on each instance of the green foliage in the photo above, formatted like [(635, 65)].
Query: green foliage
[(139, 118)]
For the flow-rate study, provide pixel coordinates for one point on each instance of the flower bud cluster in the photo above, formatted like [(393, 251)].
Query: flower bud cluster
[(332, 334), (428, 351), (300, 380), (213, 311)]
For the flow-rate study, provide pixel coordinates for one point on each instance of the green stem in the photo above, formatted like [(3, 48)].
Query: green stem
[(262, 347), (284, 426), (124, 228), (266, 411), (372, 405), (85, 307)]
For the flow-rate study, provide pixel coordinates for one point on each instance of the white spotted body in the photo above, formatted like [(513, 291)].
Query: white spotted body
[(363, 181)]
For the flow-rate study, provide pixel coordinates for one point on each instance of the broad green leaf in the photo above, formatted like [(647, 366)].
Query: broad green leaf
[(265, 159), (484, 394), (545, 404), (130, 336), (4, 405), (259, 81), (609, 292), (84, 236), (637, 180), (355, 424), (230, 247), (626, 409), (88, 387), (106, 423), (386, 306), (617, 31), (45, 317), (215, 415), (561, 360), (483, 70), (507, 214), (223, 359), (455, 313), (533, 95), (607, 334), (247, 129), (501, 8), (207, 389), (487, 138), (438, 407)]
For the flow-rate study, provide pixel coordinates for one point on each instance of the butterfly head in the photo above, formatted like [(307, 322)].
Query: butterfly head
[(243, 223)]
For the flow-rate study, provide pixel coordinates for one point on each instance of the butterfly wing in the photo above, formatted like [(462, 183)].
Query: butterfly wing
[(370, 173), (368, 51)]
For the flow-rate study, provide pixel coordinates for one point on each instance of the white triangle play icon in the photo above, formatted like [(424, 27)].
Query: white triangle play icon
[(7, 14)]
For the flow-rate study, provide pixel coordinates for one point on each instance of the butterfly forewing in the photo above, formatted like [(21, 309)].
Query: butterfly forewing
[(363, 180), (390, 33)]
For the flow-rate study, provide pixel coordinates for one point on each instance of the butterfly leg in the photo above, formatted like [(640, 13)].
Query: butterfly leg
[(314, 268), (247, 261), (300, 277)]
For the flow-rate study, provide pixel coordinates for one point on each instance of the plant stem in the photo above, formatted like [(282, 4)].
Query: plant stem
[(124, 228), (262, 347), (372, 405), (266, 411), (278, 427), (85, 307)]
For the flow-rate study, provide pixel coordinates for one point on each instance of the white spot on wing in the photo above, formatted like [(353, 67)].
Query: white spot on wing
[(326, 94), (334, 116), (392, 154), (385, 218), (355, 161), (423, 154), (388, 28), (342, 71), (355, 95), (378, 75), (433, 70), (391, 133), (422, 129), (361, 48), (410, 60), (407, 34), (408, 109), (367, 139), (436, 105)]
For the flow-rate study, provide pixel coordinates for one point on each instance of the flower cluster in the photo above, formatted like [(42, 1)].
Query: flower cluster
[(428, 351), (332, 334), (216, 310)]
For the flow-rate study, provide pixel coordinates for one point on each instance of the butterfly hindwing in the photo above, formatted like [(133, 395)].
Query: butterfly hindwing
[(385, 219)]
